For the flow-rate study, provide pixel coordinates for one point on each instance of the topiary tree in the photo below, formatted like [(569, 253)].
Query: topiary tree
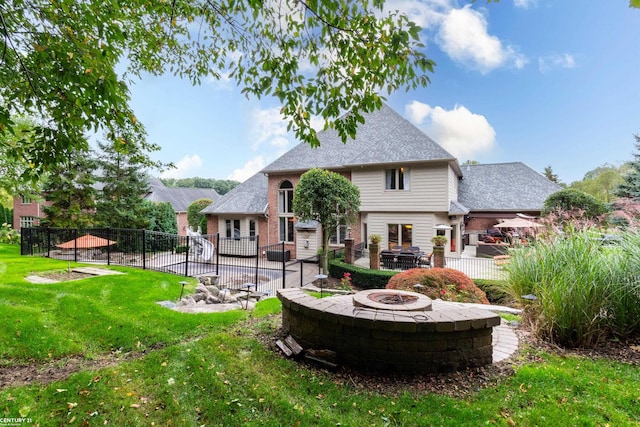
[(326, 197), (196, 219), (571, 200), (443, 283)]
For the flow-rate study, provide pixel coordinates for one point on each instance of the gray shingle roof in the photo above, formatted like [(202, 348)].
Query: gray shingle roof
[(385, 137), (457, 208), (504, 187), (180, 198), (250, 197)]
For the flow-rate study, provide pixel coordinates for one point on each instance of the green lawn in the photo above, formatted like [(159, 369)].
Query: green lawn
[(212, 370)]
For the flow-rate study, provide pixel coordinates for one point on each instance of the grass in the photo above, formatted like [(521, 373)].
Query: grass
[(585, 291), (212, 370)]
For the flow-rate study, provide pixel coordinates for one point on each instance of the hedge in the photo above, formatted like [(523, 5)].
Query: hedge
[(362, 278)]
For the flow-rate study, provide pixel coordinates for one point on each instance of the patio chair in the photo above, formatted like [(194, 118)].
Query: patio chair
[(424, 260), (406, 260), (396, 249), (414, 249), (388, 259)]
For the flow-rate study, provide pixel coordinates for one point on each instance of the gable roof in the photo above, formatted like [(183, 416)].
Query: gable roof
[(504, 187), (385, 137), (250, 197), (180, 198)]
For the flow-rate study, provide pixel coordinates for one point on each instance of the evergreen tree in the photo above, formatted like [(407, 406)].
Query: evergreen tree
[(125, 182), (161, 217), (548, 172), (630, 187), (71, 190)]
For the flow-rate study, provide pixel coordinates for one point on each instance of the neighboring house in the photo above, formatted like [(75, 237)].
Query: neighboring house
[(410, 189), (500, 191), (180, 198), (242, 211), (27, 212)]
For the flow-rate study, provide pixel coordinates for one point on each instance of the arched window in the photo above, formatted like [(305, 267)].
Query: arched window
[(285, 211)]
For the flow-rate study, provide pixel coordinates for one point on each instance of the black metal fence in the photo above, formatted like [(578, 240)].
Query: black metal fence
[(236, 262)]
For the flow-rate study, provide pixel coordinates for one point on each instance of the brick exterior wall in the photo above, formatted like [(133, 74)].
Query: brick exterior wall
[(272, 198), (33, 209), (387, 340)]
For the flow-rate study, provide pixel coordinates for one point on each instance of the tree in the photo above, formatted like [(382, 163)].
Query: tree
[(194, 218), (601, 182), (161, 217), (222, 186), (548, 172), (59, 61), (630, 187), (570, 200), (13, 163), (71, 190), (120, 203), (330, 199)]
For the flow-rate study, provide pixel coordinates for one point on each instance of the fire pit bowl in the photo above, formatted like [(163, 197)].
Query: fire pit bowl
[(389, 299)]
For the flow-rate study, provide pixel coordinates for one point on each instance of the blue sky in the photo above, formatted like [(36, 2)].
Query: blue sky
[(546, 82)]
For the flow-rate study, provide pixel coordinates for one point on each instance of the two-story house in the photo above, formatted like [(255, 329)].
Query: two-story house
[(410, 189)]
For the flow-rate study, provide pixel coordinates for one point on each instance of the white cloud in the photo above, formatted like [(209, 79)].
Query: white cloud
[(525, 4), (268, 126), (459, 131), (417, 111), (249, 169), (425, 13), (464, 37), (549, 62), (185, 167)]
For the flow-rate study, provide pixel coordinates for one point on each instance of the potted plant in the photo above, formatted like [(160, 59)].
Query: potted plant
[(374, 251), (438, 250), (439, 240)]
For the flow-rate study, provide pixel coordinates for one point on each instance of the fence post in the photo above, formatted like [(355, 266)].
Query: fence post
[(284, 282), (109, 246), (301, 272), (257, 260), (48, 242), (217, 254), (186, 262), (144, 249), (75, 245)]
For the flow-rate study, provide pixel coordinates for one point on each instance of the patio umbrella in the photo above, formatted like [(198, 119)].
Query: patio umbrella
[(517, 223), (88, 241)]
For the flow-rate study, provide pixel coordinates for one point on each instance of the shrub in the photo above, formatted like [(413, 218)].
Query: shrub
[(8, 234), (362, 278), (585, 291), (444, 283)]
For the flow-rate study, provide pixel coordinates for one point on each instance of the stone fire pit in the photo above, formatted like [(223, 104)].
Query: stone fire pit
[(385, 330)]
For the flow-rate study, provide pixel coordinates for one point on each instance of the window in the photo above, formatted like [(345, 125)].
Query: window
[(338, 235), (232, 228), (285, 212), (396, 179), (285, 198), (28, 221), (400, 235), (252, 229), (286, 229), (26, 200)]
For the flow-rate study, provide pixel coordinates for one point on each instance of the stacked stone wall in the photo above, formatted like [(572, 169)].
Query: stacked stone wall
[(390, 340)]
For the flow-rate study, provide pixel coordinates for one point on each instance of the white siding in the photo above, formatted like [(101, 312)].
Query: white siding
[(453, 184), (423, 224), (428, 190)]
